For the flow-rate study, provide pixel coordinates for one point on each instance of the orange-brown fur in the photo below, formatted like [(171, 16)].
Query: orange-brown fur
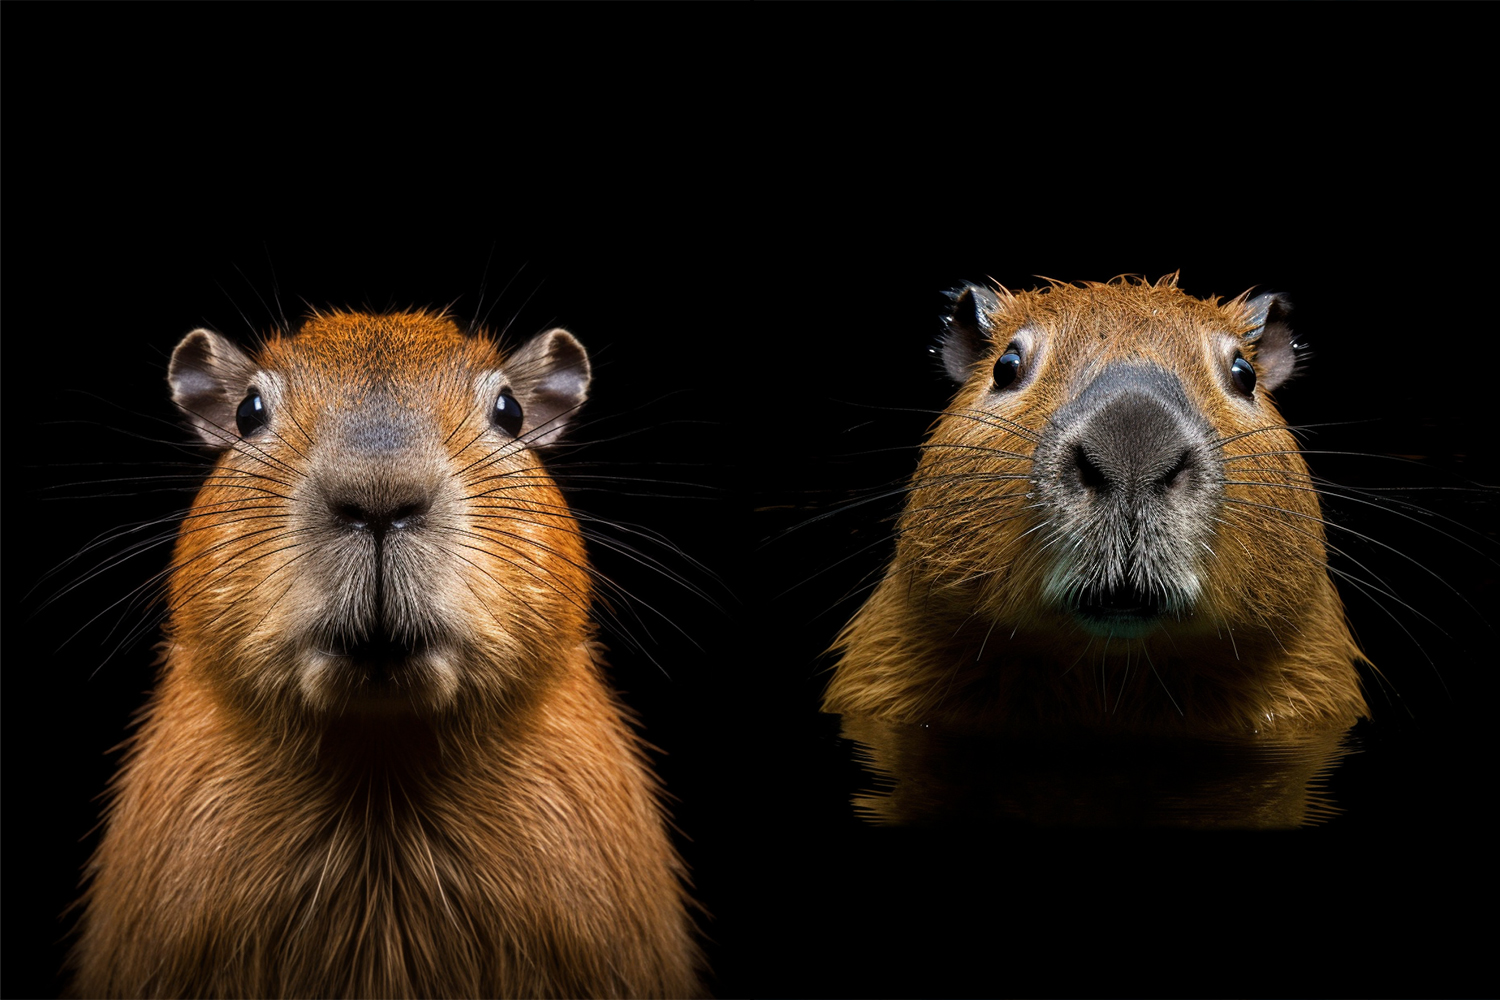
[(958, 631), (492, 830)]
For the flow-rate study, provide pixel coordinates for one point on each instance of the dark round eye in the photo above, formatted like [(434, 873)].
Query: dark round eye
[(1008, 368), (252, 415), (1243, 373), (507, 415)]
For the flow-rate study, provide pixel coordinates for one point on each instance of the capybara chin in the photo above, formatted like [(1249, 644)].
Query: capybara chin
[(381, 759), (1111, 526)]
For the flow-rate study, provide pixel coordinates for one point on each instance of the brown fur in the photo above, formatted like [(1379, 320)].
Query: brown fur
[(960, 629), (485, 824)]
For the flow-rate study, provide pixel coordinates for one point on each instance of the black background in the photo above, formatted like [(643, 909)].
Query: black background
[(751, 241)]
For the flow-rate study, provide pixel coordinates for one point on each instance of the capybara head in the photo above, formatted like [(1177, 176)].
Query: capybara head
[(1111, 491), (379, 532)]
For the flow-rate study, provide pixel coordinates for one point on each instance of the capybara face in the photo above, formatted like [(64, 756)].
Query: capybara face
[(1109, 452), (379, 531), (1112, 485)]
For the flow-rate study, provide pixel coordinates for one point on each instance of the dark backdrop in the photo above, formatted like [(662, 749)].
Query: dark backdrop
[(756, 268)]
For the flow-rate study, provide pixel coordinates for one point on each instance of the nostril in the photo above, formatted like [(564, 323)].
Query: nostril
[(1180, 474), (407, 515), (1089, 474), (352, 516)]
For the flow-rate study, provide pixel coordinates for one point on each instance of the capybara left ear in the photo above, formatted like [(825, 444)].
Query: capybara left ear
[(550, 376), (967, 333), (1270, 338)]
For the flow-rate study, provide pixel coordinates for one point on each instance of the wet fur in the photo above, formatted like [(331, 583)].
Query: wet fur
[(489, 827), (965, 628)]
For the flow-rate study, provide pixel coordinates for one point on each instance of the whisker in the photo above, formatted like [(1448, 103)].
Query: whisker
[(1356, 534)]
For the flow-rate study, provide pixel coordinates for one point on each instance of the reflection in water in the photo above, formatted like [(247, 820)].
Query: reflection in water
[(924, 776)]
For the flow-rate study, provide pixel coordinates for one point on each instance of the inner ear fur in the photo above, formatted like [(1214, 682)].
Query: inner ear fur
[(1273, 348), (549, 376), (967, 330), (208, 376)]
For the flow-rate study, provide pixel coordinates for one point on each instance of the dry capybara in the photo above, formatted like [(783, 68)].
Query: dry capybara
[(1111, 526), (381, 759)]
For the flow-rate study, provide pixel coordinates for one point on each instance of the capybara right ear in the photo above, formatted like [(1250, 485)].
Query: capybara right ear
[(208, 375), (1274, 346), (967, 333)]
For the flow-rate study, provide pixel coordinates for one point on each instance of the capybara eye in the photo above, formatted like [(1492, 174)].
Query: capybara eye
[(252, 415), (1243, 373), (1008, 368), (507, 415)]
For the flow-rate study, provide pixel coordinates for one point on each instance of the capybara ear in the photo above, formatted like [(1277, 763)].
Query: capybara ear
[(1270, 339), (208, 376), (549, 376), (967, 330)]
